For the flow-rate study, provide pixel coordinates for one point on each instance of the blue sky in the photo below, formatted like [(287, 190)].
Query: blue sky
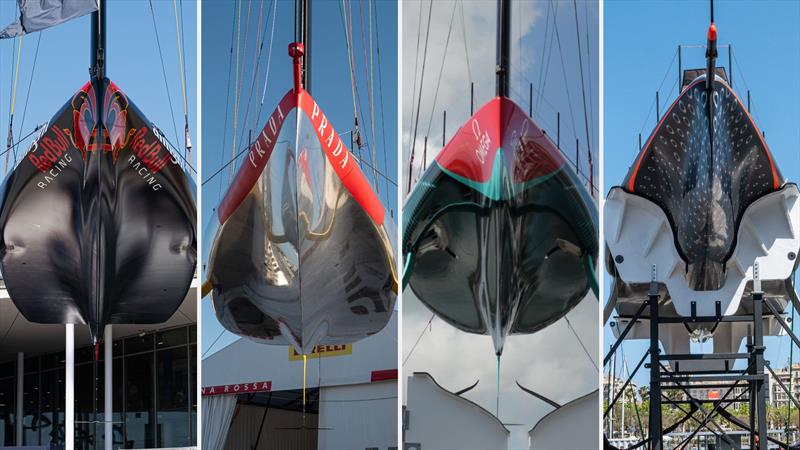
[(330, 86), (132, 63), (640, 40)]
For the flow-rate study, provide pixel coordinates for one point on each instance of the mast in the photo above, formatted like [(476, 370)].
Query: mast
[(711, 52), (97, 68), (503, 47), (302, 35)]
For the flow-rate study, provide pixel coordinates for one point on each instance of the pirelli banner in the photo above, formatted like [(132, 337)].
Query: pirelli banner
[(323, 351)]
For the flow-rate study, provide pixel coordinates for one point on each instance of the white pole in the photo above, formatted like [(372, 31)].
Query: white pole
[(108, 406), (20, 397), (69, 385)]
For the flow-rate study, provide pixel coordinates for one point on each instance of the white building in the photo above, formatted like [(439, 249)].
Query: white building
[(437, 419), (154, 383), (253, 396)]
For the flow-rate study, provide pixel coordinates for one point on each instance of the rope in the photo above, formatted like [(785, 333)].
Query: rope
[(583, 83), (233, 160), (28, 94), (566, 83), (269, 60), (548, 51), (464, 35), (421, 81), (497, 391), (380, 88), (414, 88), (588, 355), (254, 72), (348, 45), (13, 103), (652, 105), (441, 71), (212, 344), (227, 100), (236, 83), (369, 87), (164, 71), (178, 34), (305, 373), (22, 139), (422, 333), (589, 65)]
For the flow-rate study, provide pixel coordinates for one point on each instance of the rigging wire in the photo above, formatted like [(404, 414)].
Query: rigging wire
[(439, 80), (269, 60), (544, 46), (419, 338), (416, 71), (464, 35), (164, 71), (421, 81), (380, 88), (580, 341), (236, 82), (13, 101), (583, 83), (21, 140), (653, 104), (357, 132), (227, 101), (589, 65), (348, 45), (566, 83), (212, 344), (545, 68), (256, 51), (187, 146), (368, 73), (28, 94)]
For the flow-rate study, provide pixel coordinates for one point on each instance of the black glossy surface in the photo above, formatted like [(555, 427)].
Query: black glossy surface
[(704, 184), (91, 234), (299, 262), (494, 266)]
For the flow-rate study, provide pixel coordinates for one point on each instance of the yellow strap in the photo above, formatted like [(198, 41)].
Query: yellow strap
[(236, 88), (205, 289), (180, 55), (305, 360), (16, 75)]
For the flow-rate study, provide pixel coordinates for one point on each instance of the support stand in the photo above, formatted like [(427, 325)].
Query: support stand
[(655, 375), (749, 382), (69, 388), (20, 398), (108, 395)]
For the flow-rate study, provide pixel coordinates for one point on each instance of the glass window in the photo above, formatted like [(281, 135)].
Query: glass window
[(139, 344), (193, 390), (173, 397), (31, 364), (52, 407), (171, 338), (7, 411), (140, 401), (8, 369), (118, 390), (30, 408)]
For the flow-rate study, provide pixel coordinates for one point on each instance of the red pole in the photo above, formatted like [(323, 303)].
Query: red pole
[(296, 51)]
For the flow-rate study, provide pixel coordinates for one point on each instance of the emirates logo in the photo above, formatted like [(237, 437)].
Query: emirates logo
[(483, 141)]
